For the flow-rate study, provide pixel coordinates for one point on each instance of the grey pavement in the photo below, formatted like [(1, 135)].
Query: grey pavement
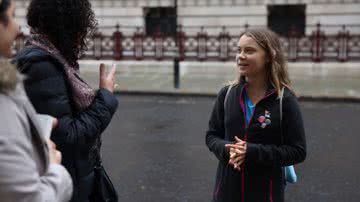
[(314, 80), (154, 150)]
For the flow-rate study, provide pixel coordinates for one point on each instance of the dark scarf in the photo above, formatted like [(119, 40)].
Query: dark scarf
[(83, 94)]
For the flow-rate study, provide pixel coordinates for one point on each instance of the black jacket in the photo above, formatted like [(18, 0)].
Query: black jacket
[(49, 91), (261, 176)]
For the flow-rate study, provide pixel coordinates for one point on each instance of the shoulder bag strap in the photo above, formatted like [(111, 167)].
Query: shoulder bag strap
[(227, 95), (281, 113)]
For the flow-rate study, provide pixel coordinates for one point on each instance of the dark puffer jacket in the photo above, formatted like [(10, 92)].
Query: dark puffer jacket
[(261, 177), (48, 89)]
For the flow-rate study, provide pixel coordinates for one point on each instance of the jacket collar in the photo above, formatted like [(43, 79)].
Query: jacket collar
[(243, 83), (9, 77)]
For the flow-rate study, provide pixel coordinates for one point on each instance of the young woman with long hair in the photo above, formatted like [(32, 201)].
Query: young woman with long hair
[(245, 132)]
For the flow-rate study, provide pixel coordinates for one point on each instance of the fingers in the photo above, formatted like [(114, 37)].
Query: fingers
[(237, 162), (235, 157), (238, 159), (232, 153), (235, 146), (237, 153), (51, 144), (55, 123), (238, 139), (54, 155), (58, 156), (102, 70), (237, 166), (112, 73)]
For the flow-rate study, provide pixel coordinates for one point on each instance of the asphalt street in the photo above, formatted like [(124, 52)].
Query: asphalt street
[(154, 150)]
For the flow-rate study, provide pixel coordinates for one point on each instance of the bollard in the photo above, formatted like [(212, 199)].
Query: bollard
[(176, 73)]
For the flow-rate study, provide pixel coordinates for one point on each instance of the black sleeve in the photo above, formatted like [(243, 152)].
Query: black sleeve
[(293, 150), (216, 131), (49, 93)]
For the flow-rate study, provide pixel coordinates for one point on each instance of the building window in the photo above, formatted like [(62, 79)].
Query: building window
[(160, 19), (285, 18)]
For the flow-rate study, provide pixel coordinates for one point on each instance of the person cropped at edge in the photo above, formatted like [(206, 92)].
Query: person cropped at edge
[(50, 61), (246, 136), (30, 169)]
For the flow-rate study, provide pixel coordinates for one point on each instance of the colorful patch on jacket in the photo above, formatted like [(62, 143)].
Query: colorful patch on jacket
[(265, 119)]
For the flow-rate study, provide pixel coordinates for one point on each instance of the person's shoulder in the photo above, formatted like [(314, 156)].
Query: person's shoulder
[(289, 93), (290, 98), (226, 89), (30, 54), (42, 69), (229, 86), (36, 62)]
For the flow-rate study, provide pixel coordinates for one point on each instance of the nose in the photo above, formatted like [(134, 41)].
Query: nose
[(18, 29), (239, 56)]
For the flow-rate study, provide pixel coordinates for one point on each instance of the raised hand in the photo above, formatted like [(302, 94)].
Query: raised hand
[(107, 81)]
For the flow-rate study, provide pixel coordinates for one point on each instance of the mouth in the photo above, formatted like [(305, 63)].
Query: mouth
[(242, 65)]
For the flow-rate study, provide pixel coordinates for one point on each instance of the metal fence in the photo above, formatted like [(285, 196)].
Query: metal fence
[(317, 47), (207, 3)]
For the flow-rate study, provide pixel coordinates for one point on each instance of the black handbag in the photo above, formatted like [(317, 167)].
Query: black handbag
[(104, 190)]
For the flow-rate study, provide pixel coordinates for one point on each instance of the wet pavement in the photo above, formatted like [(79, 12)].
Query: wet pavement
[(155, 151)]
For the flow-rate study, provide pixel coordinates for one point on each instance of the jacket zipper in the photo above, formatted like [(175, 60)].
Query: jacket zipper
[(246, 134)]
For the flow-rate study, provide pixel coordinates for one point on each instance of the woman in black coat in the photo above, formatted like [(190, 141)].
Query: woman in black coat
[(245, 130), (54, 86)]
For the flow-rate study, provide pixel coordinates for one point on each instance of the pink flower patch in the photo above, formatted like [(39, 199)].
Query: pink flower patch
[(261, 119)]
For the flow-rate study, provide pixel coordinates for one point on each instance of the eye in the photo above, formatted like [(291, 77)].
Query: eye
[(249, 50)]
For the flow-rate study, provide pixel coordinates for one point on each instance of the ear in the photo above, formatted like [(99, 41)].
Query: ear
[(267, 59), (273, 55)]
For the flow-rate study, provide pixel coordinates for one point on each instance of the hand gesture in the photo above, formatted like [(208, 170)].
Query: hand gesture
[(107, 81), (237, 153)]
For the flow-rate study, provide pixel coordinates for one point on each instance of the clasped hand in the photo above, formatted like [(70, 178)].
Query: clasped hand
[(237, 153)]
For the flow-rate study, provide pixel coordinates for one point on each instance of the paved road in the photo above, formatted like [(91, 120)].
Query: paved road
[(155, 152)]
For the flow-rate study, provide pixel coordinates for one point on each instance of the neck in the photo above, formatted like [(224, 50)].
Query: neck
[(257, 84)]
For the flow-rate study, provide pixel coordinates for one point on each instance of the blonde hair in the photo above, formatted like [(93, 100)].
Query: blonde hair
[(8, 76), (277, 70)]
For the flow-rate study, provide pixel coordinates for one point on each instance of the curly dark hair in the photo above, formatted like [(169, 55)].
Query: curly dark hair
[(4, 5), (66, 23)]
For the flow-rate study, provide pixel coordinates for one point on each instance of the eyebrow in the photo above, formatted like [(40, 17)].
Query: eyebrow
[(246, 46)]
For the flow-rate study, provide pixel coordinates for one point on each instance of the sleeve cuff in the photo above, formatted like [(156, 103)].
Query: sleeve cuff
[(109, 99), (251, 152), (66, 185)]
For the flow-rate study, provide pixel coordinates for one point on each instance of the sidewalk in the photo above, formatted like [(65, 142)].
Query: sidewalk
[(310, 80)]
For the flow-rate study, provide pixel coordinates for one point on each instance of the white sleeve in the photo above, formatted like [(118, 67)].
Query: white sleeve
[(20, 179)]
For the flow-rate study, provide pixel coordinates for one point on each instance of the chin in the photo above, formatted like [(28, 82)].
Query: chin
[(8, 54), (243, 73)]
